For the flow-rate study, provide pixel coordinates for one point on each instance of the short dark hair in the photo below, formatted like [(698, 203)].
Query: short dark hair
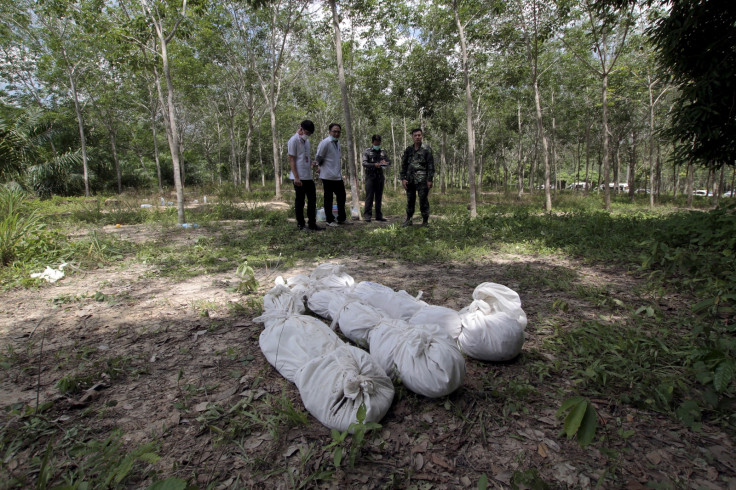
[(307, 125), (415, 130), (376, 137), (333, 125)]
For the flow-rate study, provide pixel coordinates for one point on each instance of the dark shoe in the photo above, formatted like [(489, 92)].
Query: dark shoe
[(407, 222), (425, 222), (343, 223), (315, 228), (368, 220), (381, 219)]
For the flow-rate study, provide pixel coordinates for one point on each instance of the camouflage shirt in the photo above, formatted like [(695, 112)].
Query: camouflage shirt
[(370, 158), (417, 165)]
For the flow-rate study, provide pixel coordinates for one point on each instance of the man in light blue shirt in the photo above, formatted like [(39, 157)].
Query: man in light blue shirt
[(301, 174), (330, 171)]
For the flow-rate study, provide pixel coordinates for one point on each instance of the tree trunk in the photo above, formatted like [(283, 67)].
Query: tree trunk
[(116, 161), (469, 113), (443, 162), (606, 162), (396, 162), (346, 110), (80, 124)]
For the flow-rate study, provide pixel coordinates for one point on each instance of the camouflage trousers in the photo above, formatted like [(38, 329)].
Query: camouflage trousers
[(412, 189)]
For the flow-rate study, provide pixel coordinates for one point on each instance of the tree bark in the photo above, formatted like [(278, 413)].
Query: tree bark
[(355, 198), (469, 113)]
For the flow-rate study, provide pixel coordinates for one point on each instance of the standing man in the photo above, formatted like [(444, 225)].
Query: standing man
[(301, 174), (330, 171), (374, 161), (417, 173)]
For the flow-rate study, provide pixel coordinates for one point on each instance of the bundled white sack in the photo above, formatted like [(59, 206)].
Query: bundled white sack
[(324, 276), (398, 305), (355, 318), (333, 387), (493, 324), (447, 318), (319, 301), (425, 357), (289, 342), (281, 299), (501, 299)]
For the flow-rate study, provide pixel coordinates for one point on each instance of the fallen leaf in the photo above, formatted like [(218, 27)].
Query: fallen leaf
[(290, 451), (420, 448), (199, 334), (201, 407), (654, 457), (465, 481), (418, 461), (542, 450), (441, 461)]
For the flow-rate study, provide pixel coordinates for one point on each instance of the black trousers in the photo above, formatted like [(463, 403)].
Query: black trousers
[(373, 191), (412, 190), (336, 187), (306, 190)]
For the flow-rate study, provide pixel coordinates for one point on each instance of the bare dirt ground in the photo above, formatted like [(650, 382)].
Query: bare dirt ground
[(170, 334)]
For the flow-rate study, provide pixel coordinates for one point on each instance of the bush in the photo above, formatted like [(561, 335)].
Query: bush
[(17, 224)]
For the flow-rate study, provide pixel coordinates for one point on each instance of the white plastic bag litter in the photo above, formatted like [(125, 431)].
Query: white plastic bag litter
[(425, 357), (392, 304), (289, 342), (355, 318), (334, 385), (281, 299), (447, 318), (50, 274)]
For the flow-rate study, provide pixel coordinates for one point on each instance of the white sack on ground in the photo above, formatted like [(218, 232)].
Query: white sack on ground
[(493, 337), (324, 276), (290, 342), (447, 318), (425, 357), (319, 301), (281, 299), (355, 318), (333, 387), (499, 298), (392, 304)]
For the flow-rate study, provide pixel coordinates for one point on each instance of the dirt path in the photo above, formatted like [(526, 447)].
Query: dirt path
[(167, 350)]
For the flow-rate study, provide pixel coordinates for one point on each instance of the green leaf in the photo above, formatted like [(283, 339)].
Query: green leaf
[(568, 404), (723, 375), (337, 457), (588, 427), (483, 482), (575, 418)]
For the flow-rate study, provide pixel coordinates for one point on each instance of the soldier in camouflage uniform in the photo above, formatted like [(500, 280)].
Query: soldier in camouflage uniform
[(417, 173), (375, 159)]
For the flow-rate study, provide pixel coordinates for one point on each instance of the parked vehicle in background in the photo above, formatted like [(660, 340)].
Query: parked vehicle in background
[(700, 193), (643, 191), (581, 186), (731, 193), (622, 186)]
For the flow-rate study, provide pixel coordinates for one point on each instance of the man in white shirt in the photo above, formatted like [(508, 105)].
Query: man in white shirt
[(330, 171), (301, 173)]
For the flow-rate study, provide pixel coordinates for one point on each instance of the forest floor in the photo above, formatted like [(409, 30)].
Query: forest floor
[(172, 358)]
